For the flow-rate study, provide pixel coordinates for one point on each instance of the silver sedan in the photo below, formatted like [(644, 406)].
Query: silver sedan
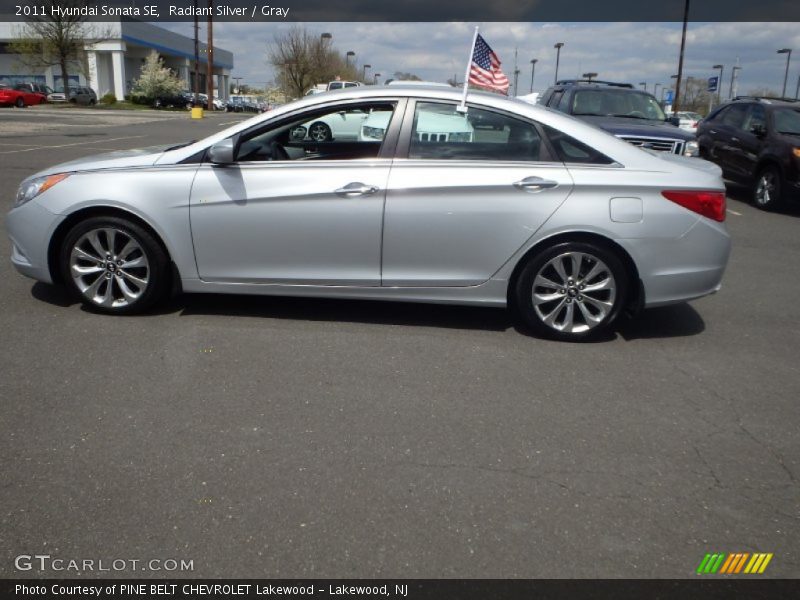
[(541, 212)]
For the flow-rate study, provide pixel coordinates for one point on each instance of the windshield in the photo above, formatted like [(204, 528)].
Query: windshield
[(787, 120), (617, 103)]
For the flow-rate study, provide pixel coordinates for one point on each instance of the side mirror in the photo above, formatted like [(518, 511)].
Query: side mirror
[(222, 153), (758, 130)]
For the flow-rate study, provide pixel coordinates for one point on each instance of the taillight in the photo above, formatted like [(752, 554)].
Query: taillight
[(708, 204)]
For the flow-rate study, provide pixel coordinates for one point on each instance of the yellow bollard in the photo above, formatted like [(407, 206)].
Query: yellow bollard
[(197, 112)]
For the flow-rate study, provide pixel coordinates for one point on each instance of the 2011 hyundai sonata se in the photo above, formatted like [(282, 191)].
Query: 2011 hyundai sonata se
[(417, 202)]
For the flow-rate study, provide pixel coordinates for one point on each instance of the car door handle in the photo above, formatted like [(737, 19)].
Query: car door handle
[(535, 184), (712, 131), (735, 139), (351, 190)]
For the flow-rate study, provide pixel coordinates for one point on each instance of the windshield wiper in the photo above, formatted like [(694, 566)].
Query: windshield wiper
[(629, 117), (586, 114)]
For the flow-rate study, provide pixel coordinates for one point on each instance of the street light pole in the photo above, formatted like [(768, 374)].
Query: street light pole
[(676, 100), (734, 76), (347, 57), (589, 76), (655, 89), (644, 85), (719, 83), (533, 71), (788, 53), (558, 47), (364, 72), (210, 57)]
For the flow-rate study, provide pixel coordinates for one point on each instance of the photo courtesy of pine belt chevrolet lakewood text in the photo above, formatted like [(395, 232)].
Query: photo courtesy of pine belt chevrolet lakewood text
[(386, 192)]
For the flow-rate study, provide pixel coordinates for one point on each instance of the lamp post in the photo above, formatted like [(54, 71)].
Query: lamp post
[(347, 57), (325, 36), (788, 53), (364, 72), (644, 85), (589, 76), (734, 76), (558, 47), (655, 89), (210, 58), (375, 78), (533, 71), (676, 100), (719, 82)]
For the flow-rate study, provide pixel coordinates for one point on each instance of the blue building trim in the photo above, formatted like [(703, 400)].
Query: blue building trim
[(172, 51)]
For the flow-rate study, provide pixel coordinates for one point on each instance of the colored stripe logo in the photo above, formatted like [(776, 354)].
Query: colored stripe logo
[(734, 563)]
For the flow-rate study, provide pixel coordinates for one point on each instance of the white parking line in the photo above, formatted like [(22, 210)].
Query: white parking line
[(129, 137), (733, 212)]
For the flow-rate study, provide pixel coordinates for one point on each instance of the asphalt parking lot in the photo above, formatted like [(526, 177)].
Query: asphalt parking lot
[(267, 437)]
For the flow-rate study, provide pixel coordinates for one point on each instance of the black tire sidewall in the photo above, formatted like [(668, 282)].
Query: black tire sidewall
[(156, 257), (524, 287), (328, 132)]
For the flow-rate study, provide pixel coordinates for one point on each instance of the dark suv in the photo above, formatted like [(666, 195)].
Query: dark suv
[(756, 141), (630, 114)]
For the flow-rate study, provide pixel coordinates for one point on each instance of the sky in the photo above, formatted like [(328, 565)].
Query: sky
[(629, 52)]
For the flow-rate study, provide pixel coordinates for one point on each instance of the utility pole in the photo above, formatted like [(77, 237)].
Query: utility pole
[(533, 71), (676, 101), (196, 86), (558, 47), (734, 79), (210, 57), (516, 72)]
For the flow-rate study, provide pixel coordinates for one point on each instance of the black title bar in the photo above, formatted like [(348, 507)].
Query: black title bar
[(477, 11)]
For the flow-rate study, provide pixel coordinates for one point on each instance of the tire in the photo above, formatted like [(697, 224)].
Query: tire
[(320, 132), (20, 103), (114, 286), (768, 188), (551, 301)]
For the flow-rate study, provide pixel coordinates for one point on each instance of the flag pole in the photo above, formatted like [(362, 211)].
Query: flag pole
[(463, 106)]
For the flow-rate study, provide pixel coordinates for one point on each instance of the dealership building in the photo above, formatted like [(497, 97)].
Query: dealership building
[(112, 65)]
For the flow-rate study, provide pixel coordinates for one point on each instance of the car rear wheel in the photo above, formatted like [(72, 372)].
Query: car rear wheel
[(114, 266), (319, 132), (571, 291), (768, 189), (20, 103)]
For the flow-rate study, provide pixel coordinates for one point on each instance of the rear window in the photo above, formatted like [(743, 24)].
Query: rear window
[(570, 150)]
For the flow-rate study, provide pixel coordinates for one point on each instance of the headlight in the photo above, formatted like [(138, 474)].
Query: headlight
[(691, 149), (374, 133), (33, 187), (796, 152)]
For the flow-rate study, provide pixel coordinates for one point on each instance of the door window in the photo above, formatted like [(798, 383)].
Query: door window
[(345, 132), (440, 132), (734, 116), (756, 117)]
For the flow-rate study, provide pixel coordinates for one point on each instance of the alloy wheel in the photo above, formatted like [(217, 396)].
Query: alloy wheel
[(319, 132), (109, 267), (574, 292)]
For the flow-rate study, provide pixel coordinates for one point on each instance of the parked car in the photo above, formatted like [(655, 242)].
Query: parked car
[(36, 88), (564, 223), (632, 115), (182, 99), (19, 97), (442, 125), (756, 141), (341, 85), (74, 95), (339, 126), (688, 120)]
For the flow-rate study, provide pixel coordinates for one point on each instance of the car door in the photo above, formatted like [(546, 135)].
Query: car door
[(725, 131), (293, 211), (751, 137), (461, 201)]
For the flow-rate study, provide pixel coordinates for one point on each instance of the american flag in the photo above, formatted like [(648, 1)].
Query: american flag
[(485, 68)]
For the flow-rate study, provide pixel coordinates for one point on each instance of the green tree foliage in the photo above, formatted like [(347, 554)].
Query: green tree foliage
[(156, 80)]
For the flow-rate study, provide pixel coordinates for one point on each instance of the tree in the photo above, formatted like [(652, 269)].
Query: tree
[(764, 92), (302, 59), (402, 76), (156, 80), (57, 39), (695, 96)]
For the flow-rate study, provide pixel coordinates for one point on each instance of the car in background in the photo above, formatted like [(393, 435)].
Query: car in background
[(341, 85), (756, 141), (628, 113), (340, 125), (20, 97), (687, 120), (75, 95), (563, 223), (36, 88)]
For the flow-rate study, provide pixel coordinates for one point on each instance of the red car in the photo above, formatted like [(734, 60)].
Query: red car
[(20, 97)]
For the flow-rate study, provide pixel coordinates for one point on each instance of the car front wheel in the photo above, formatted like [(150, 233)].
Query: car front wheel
[(768, 189), (319, 132), (20, 103), (571, 291), (114, 265)]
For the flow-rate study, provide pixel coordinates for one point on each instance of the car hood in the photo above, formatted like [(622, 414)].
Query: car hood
[(622, 126), (122, 159)]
